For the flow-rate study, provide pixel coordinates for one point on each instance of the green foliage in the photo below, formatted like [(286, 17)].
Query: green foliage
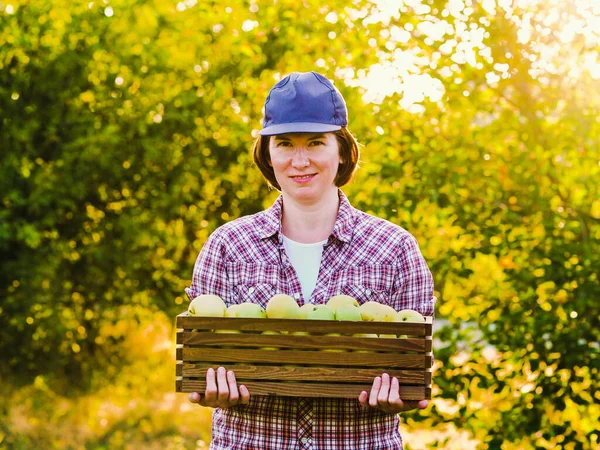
[(124, 137)]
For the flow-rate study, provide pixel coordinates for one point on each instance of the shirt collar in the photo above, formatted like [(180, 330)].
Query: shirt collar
[(342, 230)]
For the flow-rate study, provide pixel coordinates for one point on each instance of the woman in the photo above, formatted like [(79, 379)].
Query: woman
[(311, 244)]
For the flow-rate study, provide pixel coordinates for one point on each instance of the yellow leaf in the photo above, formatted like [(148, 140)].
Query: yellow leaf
[(87, 97)]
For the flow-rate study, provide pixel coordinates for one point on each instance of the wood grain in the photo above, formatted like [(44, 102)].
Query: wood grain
[(186, 322), (247, 340), (320, 390), (310, 364), (384, 360), (292, 373)]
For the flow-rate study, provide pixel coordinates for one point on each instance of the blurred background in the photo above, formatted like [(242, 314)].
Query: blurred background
[(125, 129)]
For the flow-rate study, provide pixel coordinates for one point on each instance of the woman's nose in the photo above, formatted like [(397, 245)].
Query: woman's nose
[(300, 158)]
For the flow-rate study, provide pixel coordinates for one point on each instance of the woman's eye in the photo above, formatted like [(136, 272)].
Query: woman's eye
[(316, 143)]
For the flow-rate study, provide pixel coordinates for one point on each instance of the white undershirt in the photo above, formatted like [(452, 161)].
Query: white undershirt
[(306, 260)]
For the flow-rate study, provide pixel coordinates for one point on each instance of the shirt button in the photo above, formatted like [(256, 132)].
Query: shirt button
[(304, 440), (251, 290), (296, 296), (368, 291)]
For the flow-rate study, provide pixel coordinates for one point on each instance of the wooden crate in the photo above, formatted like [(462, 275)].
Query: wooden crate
[(299, 366)]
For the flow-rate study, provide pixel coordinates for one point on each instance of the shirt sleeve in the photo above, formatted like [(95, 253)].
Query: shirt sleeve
[(415, 287), (210, 275)]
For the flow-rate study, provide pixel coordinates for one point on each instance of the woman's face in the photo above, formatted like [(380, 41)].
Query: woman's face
[(305, 164)]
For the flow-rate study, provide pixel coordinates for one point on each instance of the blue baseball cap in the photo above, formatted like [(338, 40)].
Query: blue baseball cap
[(304, 102)]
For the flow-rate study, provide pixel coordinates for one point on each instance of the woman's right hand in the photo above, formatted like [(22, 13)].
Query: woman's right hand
[(221, 390)]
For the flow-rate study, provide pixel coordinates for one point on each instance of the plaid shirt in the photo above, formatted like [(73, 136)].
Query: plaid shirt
[(365, 257)]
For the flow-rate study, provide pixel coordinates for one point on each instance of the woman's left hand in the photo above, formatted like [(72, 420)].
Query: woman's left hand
[(385, 396)]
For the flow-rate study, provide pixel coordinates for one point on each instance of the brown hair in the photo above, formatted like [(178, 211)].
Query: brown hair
[(349, 154)]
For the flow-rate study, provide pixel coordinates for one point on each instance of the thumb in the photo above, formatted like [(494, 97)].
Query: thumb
[(362, 399), (194, 397)]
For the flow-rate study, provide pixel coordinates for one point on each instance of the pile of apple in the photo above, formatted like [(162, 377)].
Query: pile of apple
[(282, 306)]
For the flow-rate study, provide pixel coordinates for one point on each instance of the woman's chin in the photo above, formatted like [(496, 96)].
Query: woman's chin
[(306, 194), (303, 194)]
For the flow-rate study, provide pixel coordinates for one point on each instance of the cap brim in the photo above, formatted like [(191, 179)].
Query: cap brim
[(298, 127)]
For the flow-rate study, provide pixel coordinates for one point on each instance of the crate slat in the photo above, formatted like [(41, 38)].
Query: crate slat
[(304, 342), (186, 322), (386, 360), (321, 390), (289, 373)]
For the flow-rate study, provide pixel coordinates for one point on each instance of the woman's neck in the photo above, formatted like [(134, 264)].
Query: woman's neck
[(310, 223)]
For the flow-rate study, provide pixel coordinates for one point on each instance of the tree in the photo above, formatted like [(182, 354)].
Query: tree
[(125, 131)]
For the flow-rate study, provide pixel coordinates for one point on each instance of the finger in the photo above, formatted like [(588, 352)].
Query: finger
[(362, 399), (210, 394), (384, 391), (234, 395), (394, 397), (245, 394), (423, 404), (375, 392), (194, 397), (222, 387)]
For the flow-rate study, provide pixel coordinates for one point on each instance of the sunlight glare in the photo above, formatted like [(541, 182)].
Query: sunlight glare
[(548, 27)]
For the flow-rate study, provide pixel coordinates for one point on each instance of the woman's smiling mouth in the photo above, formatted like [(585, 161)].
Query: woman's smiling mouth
[(303, 178)]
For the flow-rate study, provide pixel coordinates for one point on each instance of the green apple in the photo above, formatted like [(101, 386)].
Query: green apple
[(229, 312), (305, 309), (376, 312), (409, 315), (207, 306), (228, 332), (390, 313), (348, 312), (282, 306), (250, 311), (338, 300), (232, 310), (365, 335), (321, 312)]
